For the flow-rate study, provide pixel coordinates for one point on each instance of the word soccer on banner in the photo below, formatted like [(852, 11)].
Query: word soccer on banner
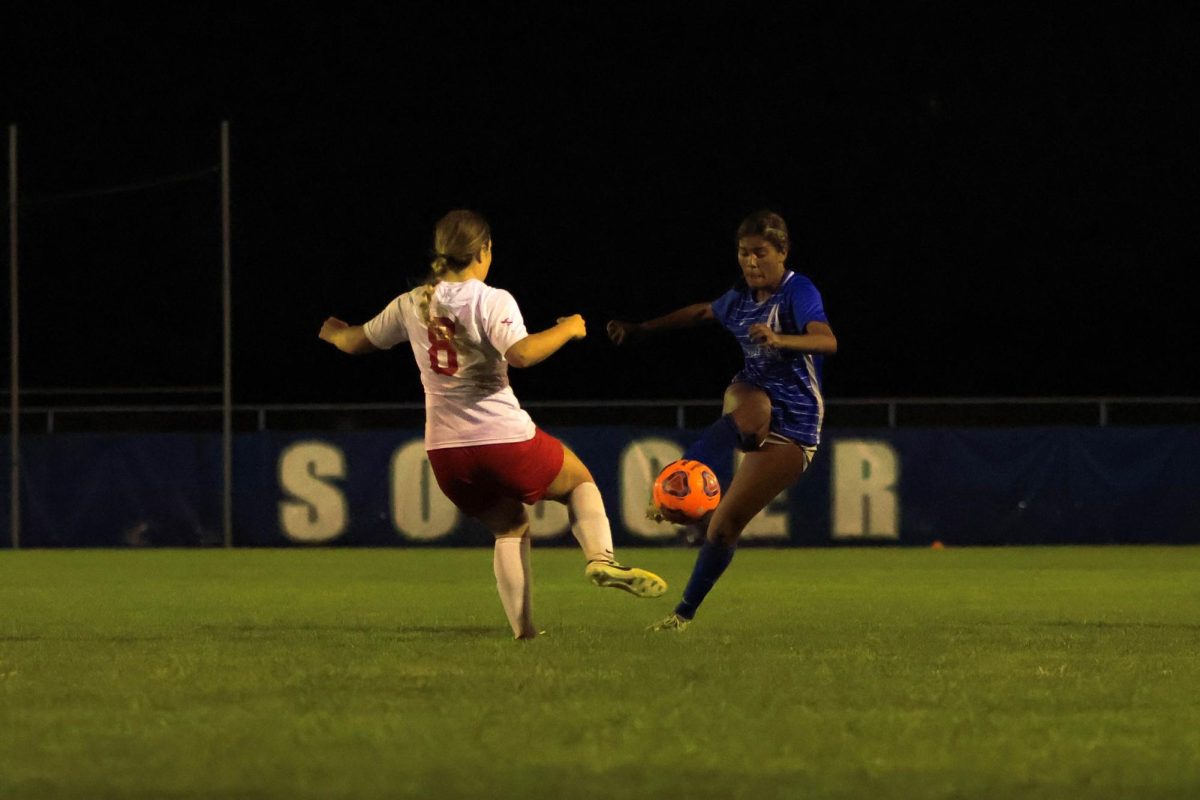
[(375, 488)]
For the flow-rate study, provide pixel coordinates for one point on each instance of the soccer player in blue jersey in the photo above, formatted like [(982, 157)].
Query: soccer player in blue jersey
[(773, 408)]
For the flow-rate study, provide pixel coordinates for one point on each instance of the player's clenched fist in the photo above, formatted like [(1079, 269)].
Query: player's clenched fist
[(330, 327), (761, 333), (575, 325)]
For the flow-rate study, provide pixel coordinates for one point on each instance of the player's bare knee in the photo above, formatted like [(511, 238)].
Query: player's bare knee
[(572, 474), (726, 528), (724, 534)]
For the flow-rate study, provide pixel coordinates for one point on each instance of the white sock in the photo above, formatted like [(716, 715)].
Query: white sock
[(589, 523), (514, 580)]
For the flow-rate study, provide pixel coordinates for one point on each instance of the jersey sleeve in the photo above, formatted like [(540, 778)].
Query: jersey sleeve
[(723, 304), (806, 303), (387, 329), (503, 324)]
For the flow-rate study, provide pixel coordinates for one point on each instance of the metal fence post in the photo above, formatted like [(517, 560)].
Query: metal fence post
[(15, 348)]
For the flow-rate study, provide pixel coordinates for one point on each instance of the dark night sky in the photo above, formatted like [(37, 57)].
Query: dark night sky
[(995, 202)]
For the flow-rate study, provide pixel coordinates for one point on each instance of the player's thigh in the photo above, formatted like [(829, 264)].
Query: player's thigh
[(506, 517), (761, 476), (573, 473), (750, 407)]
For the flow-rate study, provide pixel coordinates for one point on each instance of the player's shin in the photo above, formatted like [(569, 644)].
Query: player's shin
[(589, 522), (514, 582), (711, 562)]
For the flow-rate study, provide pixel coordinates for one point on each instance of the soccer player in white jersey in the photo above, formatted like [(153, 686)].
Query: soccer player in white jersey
[(486, 453), (773, 408)]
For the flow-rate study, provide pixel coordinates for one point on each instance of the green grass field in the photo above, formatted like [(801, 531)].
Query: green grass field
[(848, 673)]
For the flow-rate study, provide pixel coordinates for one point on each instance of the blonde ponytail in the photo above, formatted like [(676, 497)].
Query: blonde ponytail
[(437, 268), (458, 239)]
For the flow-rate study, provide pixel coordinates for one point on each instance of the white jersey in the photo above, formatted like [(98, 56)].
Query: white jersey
[(467, 397)]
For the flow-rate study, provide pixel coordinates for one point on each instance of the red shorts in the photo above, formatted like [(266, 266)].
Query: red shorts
[(476, 477)]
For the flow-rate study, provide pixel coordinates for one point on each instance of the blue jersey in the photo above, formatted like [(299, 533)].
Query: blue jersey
[(792, 379)]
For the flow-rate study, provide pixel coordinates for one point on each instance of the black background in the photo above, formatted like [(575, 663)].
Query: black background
[(993, 202)]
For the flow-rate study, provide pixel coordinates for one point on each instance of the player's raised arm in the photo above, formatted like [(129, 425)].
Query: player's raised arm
[(537, 347), (687, 317), (346, 337)]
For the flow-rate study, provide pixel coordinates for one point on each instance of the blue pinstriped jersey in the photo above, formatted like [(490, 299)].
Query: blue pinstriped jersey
[(790, 378)]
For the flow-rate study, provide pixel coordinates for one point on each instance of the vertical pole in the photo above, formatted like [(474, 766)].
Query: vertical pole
[(14, 362), (226, 300)]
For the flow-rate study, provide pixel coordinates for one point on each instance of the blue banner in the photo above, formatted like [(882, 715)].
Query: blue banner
[(957, 486)]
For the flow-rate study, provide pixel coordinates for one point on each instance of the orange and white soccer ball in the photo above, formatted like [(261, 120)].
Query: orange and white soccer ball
[(688, 487)]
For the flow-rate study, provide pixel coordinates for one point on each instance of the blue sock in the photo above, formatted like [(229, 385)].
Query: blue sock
[(710, 564), (715, 448)]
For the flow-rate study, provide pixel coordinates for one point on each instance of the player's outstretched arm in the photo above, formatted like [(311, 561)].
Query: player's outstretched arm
[(687, 317), (346, 337), (537, 347)]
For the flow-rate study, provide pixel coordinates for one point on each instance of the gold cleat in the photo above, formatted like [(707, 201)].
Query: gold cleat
[(672, 623), (639, 582)]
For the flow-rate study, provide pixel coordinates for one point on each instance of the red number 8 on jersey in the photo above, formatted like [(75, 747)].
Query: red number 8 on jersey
[(440, 342)]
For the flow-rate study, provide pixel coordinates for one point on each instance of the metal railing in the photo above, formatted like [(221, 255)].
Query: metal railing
[(102, 413)]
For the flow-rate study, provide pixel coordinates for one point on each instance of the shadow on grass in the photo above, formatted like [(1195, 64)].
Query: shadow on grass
[(241, 632), (384, 631), (85, 638)]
